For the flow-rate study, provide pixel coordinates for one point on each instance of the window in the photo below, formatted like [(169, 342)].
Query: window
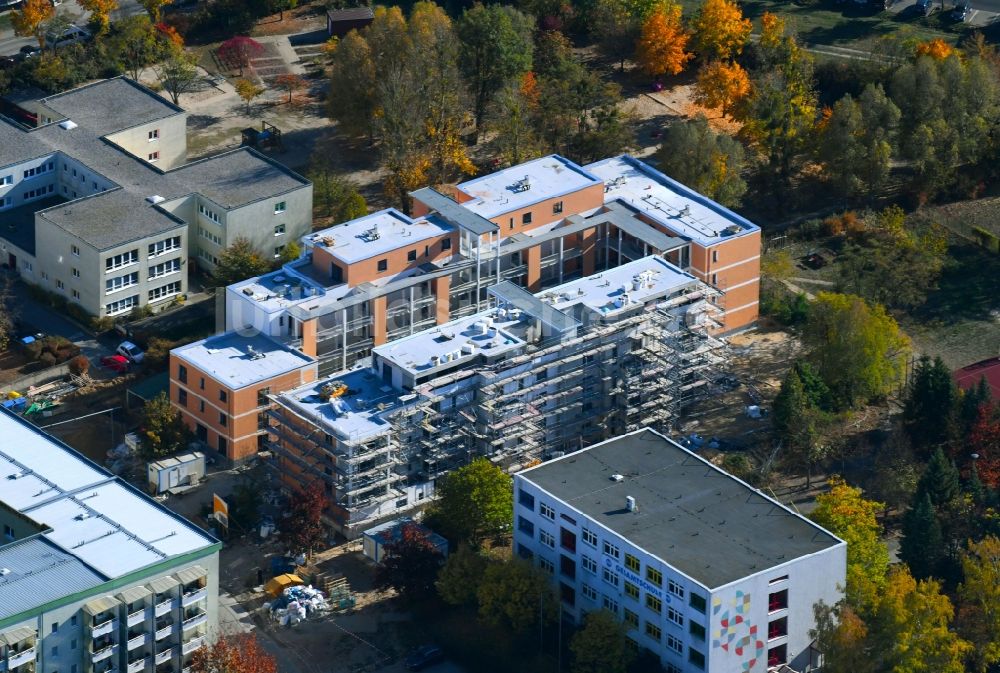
[(223, 397), (697, 658), (673, 668), (383, 265), (154, 134), (546, 511), (279, 229), (118, 283), (525, 526), (278, 250), (610, 604), (411, 256), (590, 537), (168, 290), (546, 565), (222, 445), (526, 500), (201, 383), (37, 170), (567, 567), (510, 225), (223, 421), (557, 207), (777, 628), (164, 246), (653, 631), (611, 550), (201, 406), (182, 397), (60, 284), (715, 256), (698, 603), (76, 272), (262, 396), (777, 655), (526, 218), (76, 294), (210, 235), (546, 538), (567, 539), (55, 649), (588, 592), (654, 576), (524, 552), (567, 594), (777, 601), (696, 630), (631, 590), (610, 577), (120, 260), (182, 374), (75, 250), (446, 244), (55, 626), (72, 620), (632, 563), (675, 616), (715, 279), (153, 157), (674, 643), (675, 588), (630, 619), (209, 214), (279, 207), (589, 564), (6, 180), (8, 532), (165, 269), (654, 603)]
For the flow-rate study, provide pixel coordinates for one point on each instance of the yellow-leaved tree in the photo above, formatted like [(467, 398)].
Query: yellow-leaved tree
[(720, 30), (721, 84), (28, 22), (661, 49), (937, 49), (100, 11)]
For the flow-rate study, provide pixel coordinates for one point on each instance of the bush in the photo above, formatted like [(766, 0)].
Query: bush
[(79, 365), (845, 223), (47, 359), (158, 351)]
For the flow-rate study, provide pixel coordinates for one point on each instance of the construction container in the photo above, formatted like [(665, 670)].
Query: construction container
[(177, 473)]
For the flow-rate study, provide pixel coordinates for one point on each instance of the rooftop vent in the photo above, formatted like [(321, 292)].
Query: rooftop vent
[(522, 185), (617, 477), (685, 211), (630, 504), (81, 516), (254, 354), (155, 198), (67, 125), (4, 571)]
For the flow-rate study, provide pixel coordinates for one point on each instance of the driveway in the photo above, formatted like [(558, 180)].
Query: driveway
[(34, 317)]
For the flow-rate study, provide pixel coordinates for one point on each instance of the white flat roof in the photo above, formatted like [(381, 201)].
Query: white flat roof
[(641, 281), (278, 290), (668, 202), (353, 241), (88, 512), (353, 416), (503, 191), (237, 361)]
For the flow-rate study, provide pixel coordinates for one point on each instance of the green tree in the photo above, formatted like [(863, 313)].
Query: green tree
[(845, 513), (615, 25), (163, 431), (708, 162), (512, 122), (410, 564), (922, 544), (352, 100), (496, 48), (841, 635), (248, 91), (302, 530), (857, 349), (931, 404), (940, 480), (475, 502), (134, 44), (599, 647), (335, 196), (178, 74), (515, 594), (979, 602), (460, 578), (154, 8), (238, 262), (289, 253)]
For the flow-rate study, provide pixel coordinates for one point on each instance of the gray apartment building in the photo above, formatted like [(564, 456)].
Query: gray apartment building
[(94, 576), (99, 203)]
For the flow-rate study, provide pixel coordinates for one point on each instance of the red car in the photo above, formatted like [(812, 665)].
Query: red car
[(116, 363)]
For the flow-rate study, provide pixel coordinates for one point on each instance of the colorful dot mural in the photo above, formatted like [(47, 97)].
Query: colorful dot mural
[(734, 633)]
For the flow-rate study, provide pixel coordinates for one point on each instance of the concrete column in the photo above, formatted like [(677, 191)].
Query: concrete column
[(412, 319), (309, 337), (533, 258), (562, 262), (588, 258), (343, 338), (379, 307), (442, 298)]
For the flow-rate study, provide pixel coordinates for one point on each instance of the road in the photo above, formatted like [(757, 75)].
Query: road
[(11, 43)]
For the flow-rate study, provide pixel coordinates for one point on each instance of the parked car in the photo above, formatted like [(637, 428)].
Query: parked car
[(925, 7), (116, 363), (71, 35), (424, 656), (962, 11), (130, 351), (29, 50)]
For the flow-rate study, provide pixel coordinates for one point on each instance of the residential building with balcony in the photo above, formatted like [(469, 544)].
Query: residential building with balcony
[(702, 569), (95, 577), (103, 208)]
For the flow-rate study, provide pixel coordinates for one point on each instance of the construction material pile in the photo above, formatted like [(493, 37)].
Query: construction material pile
[(297, 604)]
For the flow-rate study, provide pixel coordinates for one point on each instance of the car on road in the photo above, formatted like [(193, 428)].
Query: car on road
[(962, 11), (130, 351), (29, 50), (116, 363), (422, 657)]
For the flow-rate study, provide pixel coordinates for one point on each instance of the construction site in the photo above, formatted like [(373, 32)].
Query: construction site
[(527, 379)]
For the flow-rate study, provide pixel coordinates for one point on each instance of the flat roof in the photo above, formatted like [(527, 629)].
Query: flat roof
[(111, 105), (40, 572), (236, 360), (378, 234), (237, 177), (668, 202), (690, 514), (453, 212), (524, 184), (17, 225), (109, 219), (85, 512), (18, 145)]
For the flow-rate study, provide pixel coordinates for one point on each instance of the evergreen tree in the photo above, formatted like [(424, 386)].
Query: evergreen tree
[(922, 545), (930, 404), (789, 405), (974, 487), (972, 399), (940, 481)]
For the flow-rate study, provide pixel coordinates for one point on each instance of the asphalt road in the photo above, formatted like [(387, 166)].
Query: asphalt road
[(11, 43)]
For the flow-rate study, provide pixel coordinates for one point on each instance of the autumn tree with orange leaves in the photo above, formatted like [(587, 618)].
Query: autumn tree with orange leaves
[(28, 21), (661, 47), (721, 85), (100, 12), (241, 653), (720, 30), (937, 49)]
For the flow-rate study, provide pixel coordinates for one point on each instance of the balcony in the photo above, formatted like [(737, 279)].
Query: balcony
[(103, 653), (20, 658), (165, 631), (137, 641), (192, 622), (193, 644), (165, 655), (137, 665), (104, 628), (136, 617), (192, 597), (163, 607)]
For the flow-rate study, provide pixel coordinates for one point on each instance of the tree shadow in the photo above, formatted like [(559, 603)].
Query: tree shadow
[(967, 288)]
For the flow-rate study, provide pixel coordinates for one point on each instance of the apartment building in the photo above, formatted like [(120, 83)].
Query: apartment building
[(702, 569), (222, 387), (102, 206), (540, 224), (529, 378), (95, 577)]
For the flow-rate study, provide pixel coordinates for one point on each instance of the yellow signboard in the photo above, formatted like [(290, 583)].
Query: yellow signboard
[(220, 510)]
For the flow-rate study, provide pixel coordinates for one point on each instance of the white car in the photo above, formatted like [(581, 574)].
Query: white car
[(131, 351)]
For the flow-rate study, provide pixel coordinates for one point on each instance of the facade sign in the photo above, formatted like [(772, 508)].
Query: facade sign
[(635, 579)]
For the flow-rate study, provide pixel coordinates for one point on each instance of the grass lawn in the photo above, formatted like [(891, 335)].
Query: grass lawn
[(5, 21)]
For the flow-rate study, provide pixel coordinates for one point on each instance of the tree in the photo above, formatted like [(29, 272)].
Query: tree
[(290, 83), (940, 481), (8, 313), (931, 404), (303, 529), (984, 441), (154, 8), (178, 74), (708, 162), (599, 647), (841, 635), (515, 594), (512, 122), (100, 12), (474, 502), (248, 91), (135, 44), (29, 21), (857, 349), (290, 252), (239, 51), (937, 49), (720, 30), (163, 431), (660, 49), (722, 85), (410, 565), (460, 578), (240, 653), (615, 25), (335, 196), (922, 544), (238, 262), (352, 101), (495, 48), (845, 513), (979, 602)]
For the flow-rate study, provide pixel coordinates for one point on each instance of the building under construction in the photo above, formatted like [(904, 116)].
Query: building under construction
[(531, 377)]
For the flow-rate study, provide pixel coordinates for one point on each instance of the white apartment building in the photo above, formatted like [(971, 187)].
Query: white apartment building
[(95, 577), (705, 571)]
